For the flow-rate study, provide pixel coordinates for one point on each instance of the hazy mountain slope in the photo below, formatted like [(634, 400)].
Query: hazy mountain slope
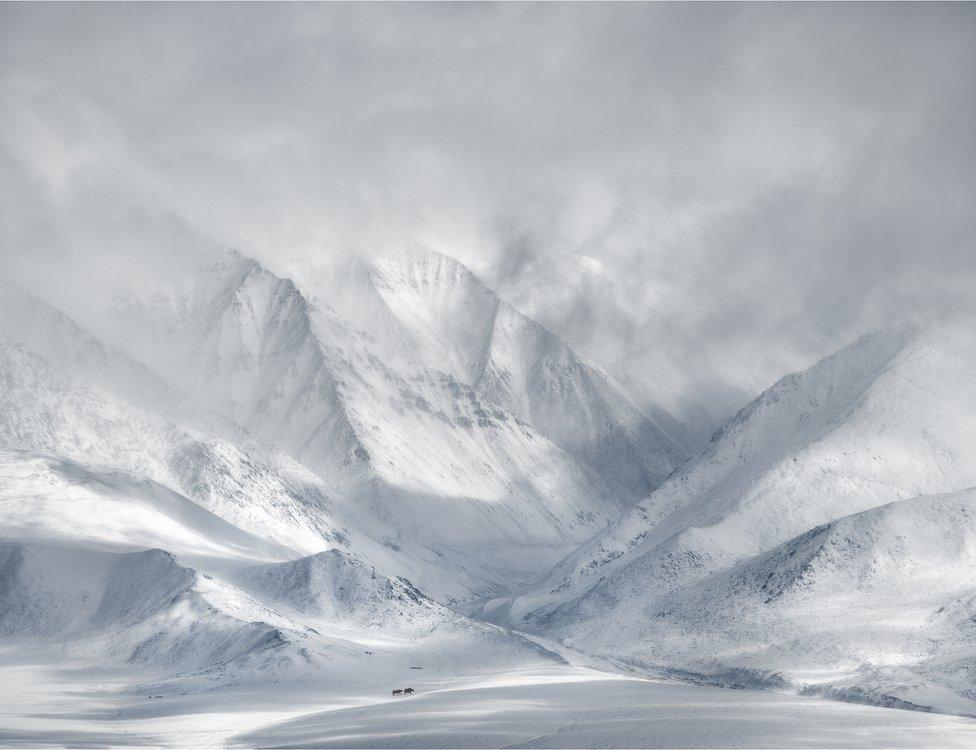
[(69, 347), (623, 327), (531, 372), (509, 526), (239, 340), (886, 417), (463, 328), (46, 411), (414, 391), (876, 606), (43, 410)]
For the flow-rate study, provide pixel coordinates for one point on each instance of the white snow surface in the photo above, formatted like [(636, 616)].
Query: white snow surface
[(270, 501), (683, 581), (410, 388)]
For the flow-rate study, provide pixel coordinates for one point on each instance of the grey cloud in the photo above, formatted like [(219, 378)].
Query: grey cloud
[(774, 178)]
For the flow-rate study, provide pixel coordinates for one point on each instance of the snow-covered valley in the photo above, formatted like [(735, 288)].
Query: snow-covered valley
[(249, 507), (492, 374)]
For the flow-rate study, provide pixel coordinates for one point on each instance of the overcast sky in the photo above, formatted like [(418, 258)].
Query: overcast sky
[(778, 178)]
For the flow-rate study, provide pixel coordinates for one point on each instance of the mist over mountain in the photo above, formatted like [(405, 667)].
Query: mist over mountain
[(808, 497), (487, 375)]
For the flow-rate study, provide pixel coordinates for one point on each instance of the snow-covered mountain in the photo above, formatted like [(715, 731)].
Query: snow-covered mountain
[(138, 607), (482, 341), (415, 328), (889, 417), (248, 473), (45, 411), (253, 482), (875, 606), (340, 590), (107, 570), (408, 386)]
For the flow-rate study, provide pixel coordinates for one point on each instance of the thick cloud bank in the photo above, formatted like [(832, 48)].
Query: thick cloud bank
[(769, 179)]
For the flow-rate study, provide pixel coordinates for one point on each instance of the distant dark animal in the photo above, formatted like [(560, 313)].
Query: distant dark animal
[(408, 691), (398, 692)]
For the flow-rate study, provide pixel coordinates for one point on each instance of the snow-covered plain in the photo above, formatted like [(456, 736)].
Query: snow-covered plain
[(251, 506), (523, 703)]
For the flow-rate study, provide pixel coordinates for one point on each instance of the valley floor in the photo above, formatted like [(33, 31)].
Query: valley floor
[(540, 703)]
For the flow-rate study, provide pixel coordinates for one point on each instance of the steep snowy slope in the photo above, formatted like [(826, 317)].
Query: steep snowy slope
[(877, 606), (345, 593), (474, 441), (43, 410), (47, 331), (525, 368), (46, 497), (240, 340), (890, 416), (207, 605), (498, 531)]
